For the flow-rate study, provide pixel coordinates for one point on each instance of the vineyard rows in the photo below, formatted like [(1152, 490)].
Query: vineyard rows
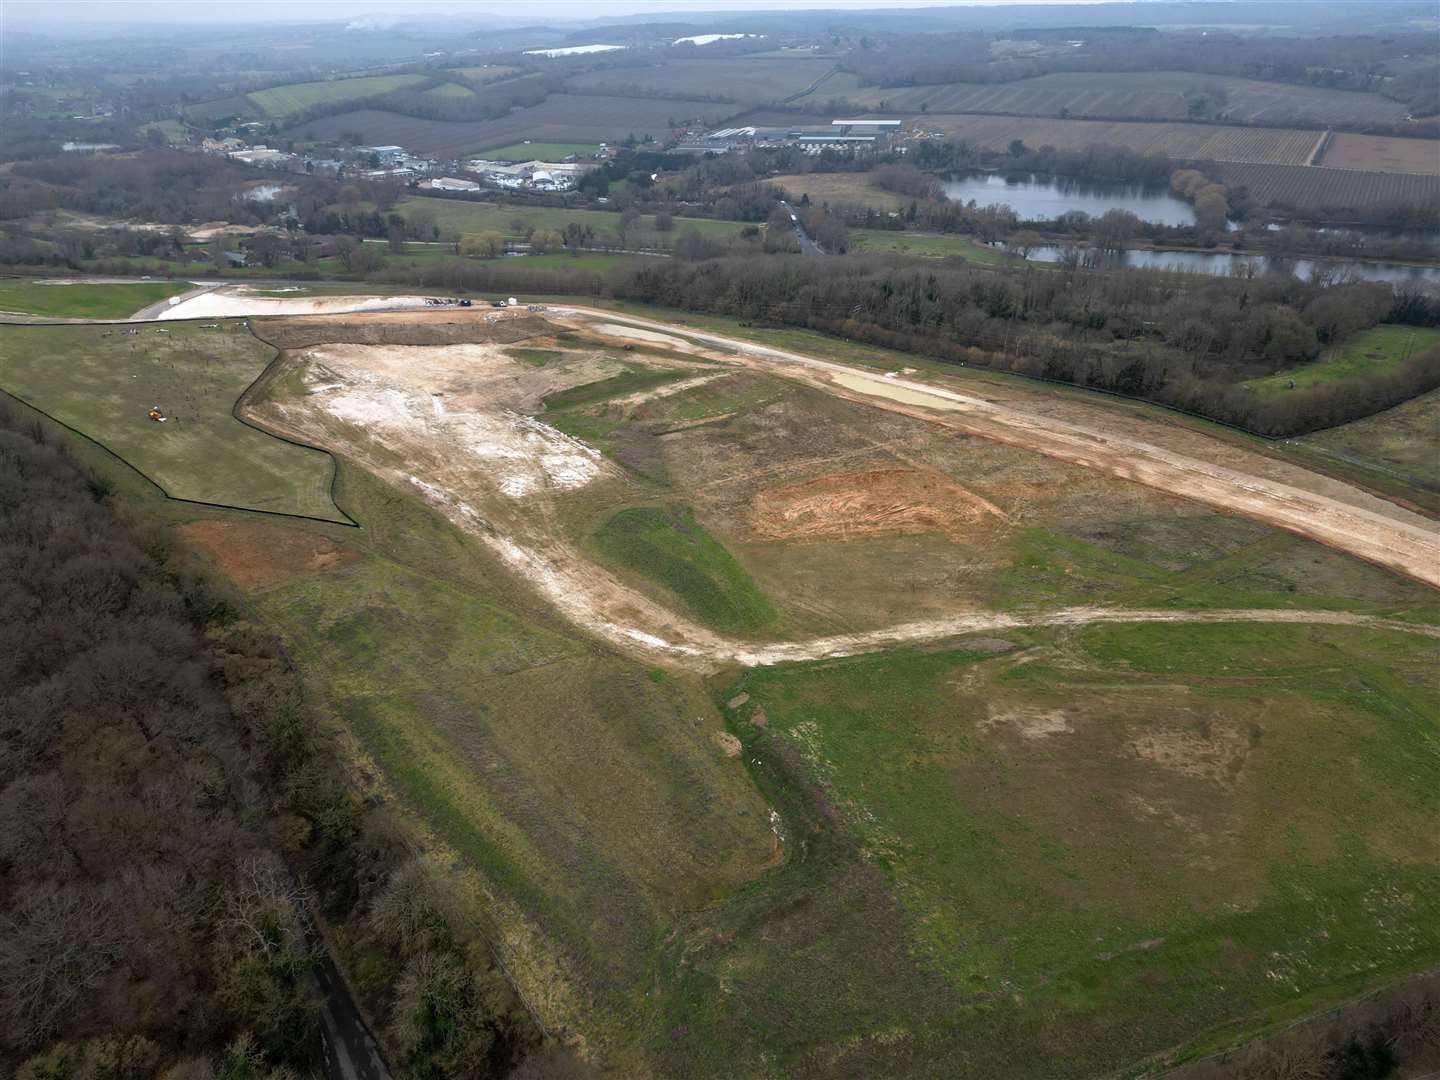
[(1160, 95), (1315, 188)]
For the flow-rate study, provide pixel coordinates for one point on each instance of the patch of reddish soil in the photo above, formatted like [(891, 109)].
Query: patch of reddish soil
[(864, 504), (258, 556)]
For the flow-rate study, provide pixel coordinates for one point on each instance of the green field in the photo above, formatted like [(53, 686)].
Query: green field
[(458, 218), (451, 90), (1381, 347), (280, 102), (486, 72), (1052, 855), (103, 382), (668, 546), (537, 151), (82, 300), (929, 245)]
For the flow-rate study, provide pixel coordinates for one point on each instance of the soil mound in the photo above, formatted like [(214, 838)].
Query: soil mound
[(865, 504)]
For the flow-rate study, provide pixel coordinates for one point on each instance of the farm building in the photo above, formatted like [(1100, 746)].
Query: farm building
[(262, 155), (866, 127), (541, 175)]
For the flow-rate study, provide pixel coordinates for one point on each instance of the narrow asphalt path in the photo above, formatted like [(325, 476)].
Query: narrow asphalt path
[(807, 246), (348, 1048)]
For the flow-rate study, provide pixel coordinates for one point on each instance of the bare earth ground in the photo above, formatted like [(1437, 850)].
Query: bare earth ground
[(241, 300), (1359, 524), (258, 556), (450, 423)]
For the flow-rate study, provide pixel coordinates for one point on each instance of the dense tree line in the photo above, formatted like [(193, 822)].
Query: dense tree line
[(172, 815), (141, 915), (1183, 341), (163, 186)]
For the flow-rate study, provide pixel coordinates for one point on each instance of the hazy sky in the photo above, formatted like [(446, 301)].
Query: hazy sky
[(79, 12)]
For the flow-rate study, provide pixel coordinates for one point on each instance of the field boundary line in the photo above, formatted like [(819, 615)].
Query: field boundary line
[(265, 372), (348, 523), (811, 88)]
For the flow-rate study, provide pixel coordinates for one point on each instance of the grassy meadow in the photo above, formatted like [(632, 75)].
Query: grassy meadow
[(1058, 854), (103, 381), (281, 102), (82, 300), (929, 245), (458, 217), (1381, 347)]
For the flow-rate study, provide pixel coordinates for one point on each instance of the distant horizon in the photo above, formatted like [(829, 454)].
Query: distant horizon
[(69, 14)]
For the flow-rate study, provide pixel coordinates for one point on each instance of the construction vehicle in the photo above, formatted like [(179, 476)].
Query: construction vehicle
[(156, 415)]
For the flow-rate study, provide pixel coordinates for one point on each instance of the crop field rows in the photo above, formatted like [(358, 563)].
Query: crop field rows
[(1317, 188), (1381, 153), (746, 81), (1186, 142), (1163, 95), (560, 118)]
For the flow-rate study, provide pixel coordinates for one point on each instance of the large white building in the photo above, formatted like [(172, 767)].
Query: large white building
[(450, 183)]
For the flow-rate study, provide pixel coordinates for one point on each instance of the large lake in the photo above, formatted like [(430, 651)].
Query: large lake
[(1035, 197), (1224, 264)]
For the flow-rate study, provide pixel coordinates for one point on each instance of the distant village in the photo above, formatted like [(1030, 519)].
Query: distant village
[(395, 163)]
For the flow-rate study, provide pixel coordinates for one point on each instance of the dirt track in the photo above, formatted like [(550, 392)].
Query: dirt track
[(443, 421), (1401, 541)]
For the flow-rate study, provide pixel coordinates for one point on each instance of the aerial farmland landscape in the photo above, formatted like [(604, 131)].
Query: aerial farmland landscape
[(848, 540)]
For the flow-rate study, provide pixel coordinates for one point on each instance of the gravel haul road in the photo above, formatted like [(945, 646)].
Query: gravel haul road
[(1400, 541)]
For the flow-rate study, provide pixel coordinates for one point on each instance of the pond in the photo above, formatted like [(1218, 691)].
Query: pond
[(1034, 197), (1225, 264)]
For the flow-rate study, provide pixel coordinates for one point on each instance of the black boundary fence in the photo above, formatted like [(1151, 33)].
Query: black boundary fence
[(348, 522)]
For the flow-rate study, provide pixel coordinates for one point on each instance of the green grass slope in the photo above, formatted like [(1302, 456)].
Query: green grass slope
[(279, 102), (1056, 854), (1377, 348), (83, 300), (668, 546), (103, 381)]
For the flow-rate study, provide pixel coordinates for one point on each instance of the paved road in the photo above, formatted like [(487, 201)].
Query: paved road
[(350, 1052), (807, 246)]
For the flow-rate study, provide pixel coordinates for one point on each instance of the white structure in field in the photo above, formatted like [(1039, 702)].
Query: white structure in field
[(450, 183), (707, 39), (574, 50), (867, 127)]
